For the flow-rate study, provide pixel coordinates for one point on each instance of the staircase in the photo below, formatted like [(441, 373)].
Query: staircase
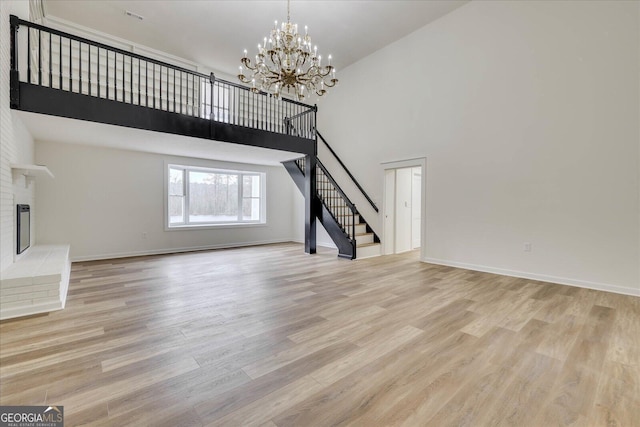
[(353, 237), (61, 74)]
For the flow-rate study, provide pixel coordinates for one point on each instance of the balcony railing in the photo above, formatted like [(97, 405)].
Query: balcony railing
[(69, 63)]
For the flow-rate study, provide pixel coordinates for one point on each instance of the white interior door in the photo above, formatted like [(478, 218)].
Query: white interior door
[(389, 211), (403, 203), (403, 217), (416, 197)]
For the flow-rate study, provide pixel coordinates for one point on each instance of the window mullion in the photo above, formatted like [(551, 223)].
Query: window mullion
[(240, 185), (185, 191)]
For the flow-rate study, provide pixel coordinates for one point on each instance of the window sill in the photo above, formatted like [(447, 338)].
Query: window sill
[(214, 226)]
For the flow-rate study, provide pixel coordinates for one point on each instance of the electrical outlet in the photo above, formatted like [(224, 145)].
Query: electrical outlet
[(527, 247)]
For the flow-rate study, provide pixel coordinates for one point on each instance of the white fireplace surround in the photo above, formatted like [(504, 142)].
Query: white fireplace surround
[(38, 279), (36, 283)]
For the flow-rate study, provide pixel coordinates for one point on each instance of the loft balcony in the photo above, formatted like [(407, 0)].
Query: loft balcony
[(60, 74)]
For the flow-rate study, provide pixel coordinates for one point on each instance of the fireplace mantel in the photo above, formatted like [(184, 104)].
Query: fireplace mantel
[(31, 170)]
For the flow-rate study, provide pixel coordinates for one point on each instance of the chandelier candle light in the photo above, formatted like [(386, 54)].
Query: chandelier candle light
[(287, 60)]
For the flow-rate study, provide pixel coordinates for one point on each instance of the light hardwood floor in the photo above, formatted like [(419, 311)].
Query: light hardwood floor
[(269, 336)]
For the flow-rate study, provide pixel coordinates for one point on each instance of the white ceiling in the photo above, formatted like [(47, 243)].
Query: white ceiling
[(58, 129), (213, 34)]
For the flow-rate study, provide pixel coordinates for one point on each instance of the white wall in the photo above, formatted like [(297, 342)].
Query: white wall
[(527, 113), (16, 145), (102, 200)]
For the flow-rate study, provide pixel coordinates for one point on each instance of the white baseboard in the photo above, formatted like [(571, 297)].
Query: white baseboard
[(540, 277), (165, 251)]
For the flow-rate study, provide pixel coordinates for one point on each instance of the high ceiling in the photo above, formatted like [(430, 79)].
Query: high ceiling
[(214, 33)]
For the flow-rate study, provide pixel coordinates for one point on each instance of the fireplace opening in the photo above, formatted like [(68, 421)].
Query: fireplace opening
[(23, 225)]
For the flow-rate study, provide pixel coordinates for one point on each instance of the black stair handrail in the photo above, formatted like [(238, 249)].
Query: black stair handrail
[(192, 82), (355, 181)]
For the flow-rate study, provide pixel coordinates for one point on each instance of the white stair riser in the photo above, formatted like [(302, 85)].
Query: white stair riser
[(361, 228), (364, 239), (368, 251)]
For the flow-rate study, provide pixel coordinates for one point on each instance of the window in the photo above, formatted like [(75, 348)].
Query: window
[(201, 196)]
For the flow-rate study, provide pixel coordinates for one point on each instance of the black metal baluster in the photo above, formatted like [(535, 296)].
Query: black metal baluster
[(39, 57), (153, 70), (269, 103), (259, 111), (29, 55), (80, 64), (131, 79), (98, 72), (106, 62), (161, 87), (213, 101), (139, 83), (193, 95), (70, 67), (230, 103), (50, 63), (274, 105), (353, 224), (60, 60), (124, 81), (181, 99), (146, 84), (269, 111), (89, 66), (153, 83), (115, 75), (232, 98)]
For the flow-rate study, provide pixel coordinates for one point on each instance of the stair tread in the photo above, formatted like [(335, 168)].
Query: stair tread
[(363, 245)]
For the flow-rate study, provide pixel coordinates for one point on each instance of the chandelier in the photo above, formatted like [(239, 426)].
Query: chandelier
[(288, 61)]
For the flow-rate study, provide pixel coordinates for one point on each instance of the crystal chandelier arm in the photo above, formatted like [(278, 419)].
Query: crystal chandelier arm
[(332, 83), (247, 63)]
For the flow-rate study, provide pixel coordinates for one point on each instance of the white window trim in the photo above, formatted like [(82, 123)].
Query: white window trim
[(213, 226)]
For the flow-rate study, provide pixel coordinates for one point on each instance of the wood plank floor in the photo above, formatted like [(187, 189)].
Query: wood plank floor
[(269, 336)]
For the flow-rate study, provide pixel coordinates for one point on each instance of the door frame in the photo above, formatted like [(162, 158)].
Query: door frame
[(401, 164)]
